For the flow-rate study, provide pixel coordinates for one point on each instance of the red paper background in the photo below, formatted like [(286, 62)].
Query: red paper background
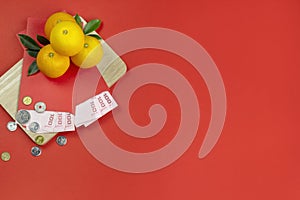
[(255, 45)]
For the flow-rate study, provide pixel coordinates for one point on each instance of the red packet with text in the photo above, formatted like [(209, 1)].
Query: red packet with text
[(56, 93)]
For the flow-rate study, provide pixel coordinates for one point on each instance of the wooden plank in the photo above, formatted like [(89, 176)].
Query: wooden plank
[(111, 67), (9, 95)]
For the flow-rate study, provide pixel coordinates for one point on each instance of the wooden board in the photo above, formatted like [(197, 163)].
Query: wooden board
[(9, 95), (111, 67)]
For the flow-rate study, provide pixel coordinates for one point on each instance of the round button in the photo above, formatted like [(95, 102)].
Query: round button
[(39, 140), (12, 126), (36, 151), (40, 107), (23, 116), (5, 156), (61, 140), (27, 100), (34, 127)]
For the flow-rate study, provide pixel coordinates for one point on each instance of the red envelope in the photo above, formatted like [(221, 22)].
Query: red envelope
[(56, 93)]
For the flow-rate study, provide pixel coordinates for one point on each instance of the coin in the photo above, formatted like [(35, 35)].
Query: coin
[(5, 156), (11, 126), (61, 140), (36, 151), (23, 116), (40, 107), (27, 100), (34, 127), (39, 140)]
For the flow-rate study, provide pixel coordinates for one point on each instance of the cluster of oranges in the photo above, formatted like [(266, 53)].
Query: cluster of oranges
[(68, 43)]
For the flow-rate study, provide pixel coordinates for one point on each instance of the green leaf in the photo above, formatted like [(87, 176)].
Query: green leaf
[(42, 40), (91, 26), (33, 68), (95, 36), (78, 20), (28, 42), (32, 53)]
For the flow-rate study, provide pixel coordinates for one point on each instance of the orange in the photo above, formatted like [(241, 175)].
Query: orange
[(50, 63), (54, 19), (67, 38), (90, 55)]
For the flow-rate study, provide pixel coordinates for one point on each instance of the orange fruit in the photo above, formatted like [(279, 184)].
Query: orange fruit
[(54, 19), (50, 63), (67, 38), (90, 55)]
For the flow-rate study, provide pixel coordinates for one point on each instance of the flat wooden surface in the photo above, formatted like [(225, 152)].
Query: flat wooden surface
[(9, 94), (112, 68)]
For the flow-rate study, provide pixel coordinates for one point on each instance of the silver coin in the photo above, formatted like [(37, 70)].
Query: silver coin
[(40, 107), (23, 116), (12, 126), (36, 151), (61, 140), (34, 127)]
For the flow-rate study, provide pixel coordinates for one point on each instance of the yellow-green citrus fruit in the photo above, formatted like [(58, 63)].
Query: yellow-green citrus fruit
[(90, 55), (54, 19), (67, 38), (52, 64)]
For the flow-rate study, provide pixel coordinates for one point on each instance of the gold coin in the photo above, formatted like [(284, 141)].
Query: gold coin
[(27, 100), (39, 140), (5, 156)]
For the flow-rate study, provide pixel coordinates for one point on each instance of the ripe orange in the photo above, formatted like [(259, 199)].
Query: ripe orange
[(67, 38), (90, 55), (54, 19), (50, 63)]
